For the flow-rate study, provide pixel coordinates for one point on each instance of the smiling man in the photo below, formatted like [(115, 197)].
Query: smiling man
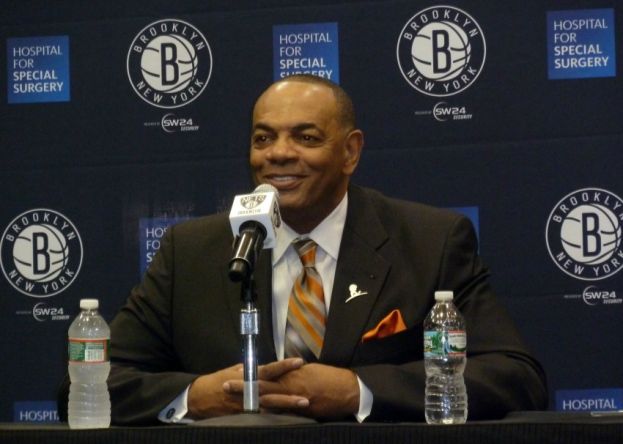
[(342, 296), (304, 143)]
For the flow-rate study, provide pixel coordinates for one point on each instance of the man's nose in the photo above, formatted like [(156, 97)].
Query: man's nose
[(282, 149)]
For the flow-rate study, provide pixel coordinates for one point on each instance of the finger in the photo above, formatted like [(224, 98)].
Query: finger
[(264, 387), (276, 369), (283, 402)]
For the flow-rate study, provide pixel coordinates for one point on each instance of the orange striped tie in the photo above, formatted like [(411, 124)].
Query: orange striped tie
[(306, 309)]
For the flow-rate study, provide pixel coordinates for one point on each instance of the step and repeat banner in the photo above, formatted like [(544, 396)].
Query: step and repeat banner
[(116, 126)]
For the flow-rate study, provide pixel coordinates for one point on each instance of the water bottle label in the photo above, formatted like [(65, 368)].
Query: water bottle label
[(439, 343), (89, 350)]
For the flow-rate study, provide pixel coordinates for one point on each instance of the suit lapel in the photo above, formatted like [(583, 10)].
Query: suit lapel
[(359, 264), (263, 288)]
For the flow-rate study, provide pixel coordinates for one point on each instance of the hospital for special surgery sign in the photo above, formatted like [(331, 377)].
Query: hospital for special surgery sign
[(580, 44), (38, 69), (310, 48)]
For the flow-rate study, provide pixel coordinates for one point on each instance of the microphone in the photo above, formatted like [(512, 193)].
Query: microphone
[(253, 219)]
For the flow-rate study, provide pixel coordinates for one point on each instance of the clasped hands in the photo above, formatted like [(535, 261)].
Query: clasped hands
[(290, 385)]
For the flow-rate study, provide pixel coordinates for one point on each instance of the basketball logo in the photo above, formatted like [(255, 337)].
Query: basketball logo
[(169, 63), (584, 234), (41, 253), (252, 200), (441, 51), (158, 68), (596, 228), (441, 65)]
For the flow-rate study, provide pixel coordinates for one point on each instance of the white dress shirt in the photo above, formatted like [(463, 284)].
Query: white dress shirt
[(286, 268)]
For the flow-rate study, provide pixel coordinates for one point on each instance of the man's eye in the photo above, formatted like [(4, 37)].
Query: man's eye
[(260, 138), (308, 138)]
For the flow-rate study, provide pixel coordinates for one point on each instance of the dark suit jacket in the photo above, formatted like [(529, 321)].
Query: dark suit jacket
[(183, 319)]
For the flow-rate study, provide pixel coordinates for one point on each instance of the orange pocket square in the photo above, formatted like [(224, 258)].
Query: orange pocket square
[(390, 325)]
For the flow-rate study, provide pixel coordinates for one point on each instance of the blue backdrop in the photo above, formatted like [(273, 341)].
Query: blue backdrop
[(120, 120)]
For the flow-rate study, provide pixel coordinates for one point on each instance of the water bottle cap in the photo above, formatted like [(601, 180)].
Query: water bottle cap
[(89, 304), (444, 296)]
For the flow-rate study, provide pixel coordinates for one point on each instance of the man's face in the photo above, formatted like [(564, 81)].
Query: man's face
[(299, 146)]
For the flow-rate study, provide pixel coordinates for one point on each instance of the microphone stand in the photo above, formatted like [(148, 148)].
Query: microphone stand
[(241, 269), (249, 329)]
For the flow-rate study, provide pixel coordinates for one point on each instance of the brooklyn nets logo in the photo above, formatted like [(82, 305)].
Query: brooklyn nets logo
[(253, 200), (583, 234), (441, 51), (41, 253), (169, 63)]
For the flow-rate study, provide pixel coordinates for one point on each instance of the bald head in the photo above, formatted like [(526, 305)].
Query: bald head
[(345, 110)]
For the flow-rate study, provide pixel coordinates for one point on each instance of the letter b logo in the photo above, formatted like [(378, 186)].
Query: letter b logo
[(40, 255), (169, 67), (590, 234), (40, 252), (591, 239), (441, 54)]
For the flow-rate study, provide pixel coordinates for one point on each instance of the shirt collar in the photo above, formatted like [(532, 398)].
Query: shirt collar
[(327, 234)]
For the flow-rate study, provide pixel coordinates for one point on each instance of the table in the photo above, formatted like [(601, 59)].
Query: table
[(536, 427)]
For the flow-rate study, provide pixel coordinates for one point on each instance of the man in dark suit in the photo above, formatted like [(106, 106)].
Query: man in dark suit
[(176, 345)]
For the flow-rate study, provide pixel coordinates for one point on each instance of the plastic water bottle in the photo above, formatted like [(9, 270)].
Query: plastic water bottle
[(444, 360), (89, 365)]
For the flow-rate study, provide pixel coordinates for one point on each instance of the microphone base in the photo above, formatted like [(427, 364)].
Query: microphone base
[(254, 420)]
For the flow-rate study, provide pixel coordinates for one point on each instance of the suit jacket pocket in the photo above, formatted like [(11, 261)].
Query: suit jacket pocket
[(395, 349)]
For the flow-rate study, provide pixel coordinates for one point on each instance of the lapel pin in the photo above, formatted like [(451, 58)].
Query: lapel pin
[(354, 292)]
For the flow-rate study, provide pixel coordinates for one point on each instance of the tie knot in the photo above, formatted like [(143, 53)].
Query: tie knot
[(306, 249)]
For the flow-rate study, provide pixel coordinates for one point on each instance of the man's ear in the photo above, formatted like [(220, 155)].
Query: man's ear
[(353, 145)]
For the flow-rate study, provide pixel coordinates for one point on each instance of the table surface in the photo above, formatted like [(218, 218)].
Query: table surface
[(533, 427)]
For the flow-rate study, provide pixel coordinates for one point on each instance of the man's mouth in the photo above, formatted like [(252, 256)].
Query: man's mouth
[(283, 178), (283, 181)]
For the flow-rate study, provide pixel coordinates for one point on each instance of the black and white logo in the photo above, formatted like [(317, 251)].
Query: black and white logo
[(596, 296), (593, 296), (583, 234), (41, 313), (253, 200), (276, 217), (443, 111), (441, 51), (171, 123), (169, 63), (41, 253)]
